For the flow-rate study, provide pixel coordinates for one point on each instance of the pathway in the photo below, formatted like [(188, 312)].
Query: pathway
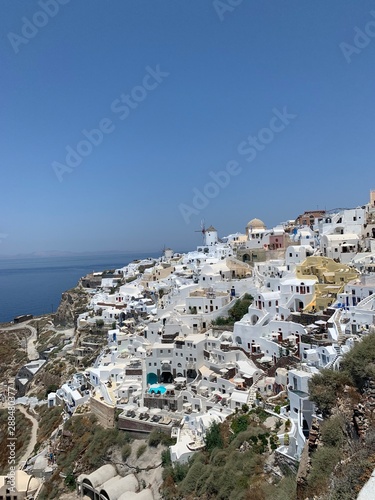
[(32, 353), (34, 431)]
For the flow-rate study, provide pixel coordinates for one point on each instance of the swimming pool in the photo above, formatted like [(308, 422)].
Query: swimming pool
[(157, 389)]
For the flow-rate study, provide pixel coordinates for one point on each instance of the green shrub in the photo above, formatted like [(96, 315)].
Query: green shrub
[(188, 476), (331, 430), (323, 461), (141, 449), (213, 437), (240, 423), (156, 437), (126, 451), (359, 364), (166, 458), (70, 481), (324, 388), (180, 471)]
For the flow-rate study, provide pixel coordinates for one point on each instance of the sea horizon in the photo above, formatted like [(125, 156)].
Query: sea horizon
[(34, 284)]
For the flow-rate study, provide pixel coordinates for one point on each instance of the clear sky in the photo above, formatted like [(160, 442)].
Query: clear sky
[(180, 90)]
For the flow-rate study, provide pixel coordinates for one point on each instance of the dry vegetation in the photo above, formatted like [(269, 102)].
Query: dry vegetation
[(232, 465), (82, 447), (49, 420), (23, 435), (344, 460), (12, 352)]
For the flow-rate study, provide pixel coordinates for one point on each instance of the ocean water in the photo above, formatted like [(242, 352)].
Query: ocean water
[(34, 285)]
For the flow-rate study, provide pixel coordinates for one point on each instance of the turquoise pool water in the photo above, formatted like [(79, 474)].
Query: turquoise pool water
[(157, 388)]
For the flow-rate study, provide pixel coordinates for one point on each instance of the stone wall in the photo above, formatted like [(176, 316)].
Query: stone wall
[(104, 413)]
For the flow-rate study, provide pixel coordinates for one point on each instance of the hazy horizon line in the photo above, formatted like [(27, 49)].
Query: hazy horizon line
[(67, 253)]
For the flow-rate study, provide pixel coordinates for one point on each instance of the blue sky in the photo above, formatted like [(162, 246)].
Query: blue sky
[(220, 75)]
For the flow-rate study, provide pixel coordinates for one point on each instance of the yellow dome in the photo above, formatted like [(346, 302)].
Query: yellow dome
[(256, 224)]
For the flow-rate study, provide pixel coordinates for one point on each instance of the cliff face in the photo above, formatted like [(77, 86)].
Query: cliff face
[(339, 455), (73, 302)]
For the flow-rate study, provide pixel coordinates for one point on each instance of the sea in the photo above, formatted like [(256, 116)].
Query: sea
[(34, 285)]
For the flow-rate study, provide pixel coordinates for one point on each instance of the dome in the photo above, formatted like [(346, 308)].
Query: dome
[(256, 224)]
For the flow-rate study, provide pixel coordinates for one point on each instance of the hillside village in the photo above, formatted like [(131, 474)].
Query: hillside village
[(187, 341)]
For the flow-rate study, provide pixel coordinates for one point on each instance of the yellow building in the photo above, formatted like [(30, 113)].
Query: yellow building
[(331, 277)]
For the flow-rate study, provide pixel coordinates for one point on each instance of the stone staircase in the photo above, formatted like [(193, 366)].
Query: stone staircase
[(253, 391), (336, 320)]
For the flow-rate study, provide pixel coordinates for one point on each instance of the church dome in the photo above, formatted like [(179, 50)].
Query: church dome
[(255, 224)]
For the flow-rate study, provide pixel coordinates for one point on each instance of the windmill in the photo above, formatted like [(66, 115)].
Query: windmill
[(202, 230)]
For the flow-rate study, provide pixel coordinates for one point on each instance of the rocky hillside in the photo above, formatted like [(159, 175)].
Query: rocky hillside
[(73, 302), (339, 455)]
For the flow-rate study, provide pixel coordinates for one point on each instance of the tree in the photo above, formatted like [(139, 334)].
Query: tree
[(213, 437), (324, 388), (359, 363), (240, 307)]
